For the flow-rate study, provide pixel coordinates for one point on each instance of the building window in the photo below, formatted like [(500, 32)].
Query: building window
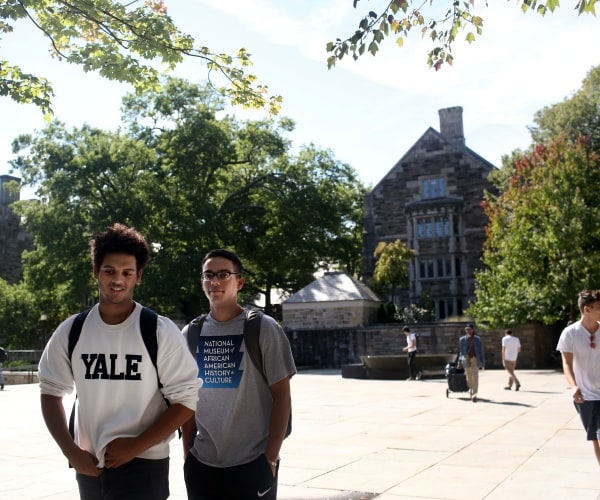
[(438, 268), (433, 188), (433, 227)]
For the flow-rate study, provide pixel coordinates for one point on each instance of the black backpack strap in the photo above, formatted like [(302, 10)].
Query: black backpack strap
[(74, 335), (193, 333), (251, 340), (76, 330), (148, 326), (252, 344)]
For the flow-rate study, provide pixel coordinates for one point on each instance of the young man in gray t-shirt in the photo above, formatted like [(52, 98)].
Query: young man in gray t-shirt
[(232, 446)]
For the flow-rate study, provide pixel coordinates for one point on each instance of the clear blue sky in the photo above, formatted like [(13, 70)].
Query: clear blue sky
[(369, 112)]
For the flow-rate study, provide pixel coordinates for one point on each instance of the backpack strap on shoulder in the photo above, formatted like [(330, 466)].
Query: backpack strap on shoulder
[(193, 333), (148, 327), (251, 340), (76, 330)]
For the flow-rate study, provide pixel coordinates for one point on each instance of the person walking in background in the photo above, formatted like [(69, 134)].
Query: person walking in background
[(3, 356), (511, 347), (232, 447), (581, 364), (471, 358), (411, 348), (122, 425)]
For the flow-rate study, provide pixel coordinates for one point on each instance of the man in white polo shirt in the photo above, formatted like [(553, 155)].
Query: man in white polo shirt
[(511, 347)]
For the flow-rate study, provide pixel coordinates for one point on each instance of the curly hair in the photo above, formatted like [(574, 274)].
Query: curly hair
[(119, 238)]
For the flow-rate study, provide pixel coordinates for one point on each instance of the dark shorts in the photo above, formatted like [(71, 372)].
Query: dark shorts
[(589, 412), (140, 479), (242, 482)]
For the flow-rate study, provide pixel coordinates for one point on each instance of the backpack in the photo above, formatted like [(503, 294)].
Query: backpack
[(148, 322), (3, 355), (251, 342)]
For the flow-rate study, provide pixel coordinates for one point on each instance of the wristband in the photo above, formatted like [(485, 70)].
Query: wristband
[(271, 463)]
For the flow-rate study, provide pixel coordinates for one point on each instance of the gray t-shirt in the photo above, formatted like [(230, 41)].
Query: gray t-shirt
[(234, 405)]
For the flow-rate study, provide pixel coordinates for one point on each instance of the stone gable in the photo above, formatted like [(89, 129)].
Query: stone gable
[(431, 200)]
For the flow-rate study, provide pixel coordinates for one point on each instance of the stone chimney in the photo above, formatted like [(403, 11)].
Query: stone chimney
[(451, 125)]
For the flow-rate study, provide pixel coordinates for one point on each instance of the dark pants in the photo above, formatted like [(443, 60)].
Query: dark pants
[(140, 479), (412, 365), (242, 482)]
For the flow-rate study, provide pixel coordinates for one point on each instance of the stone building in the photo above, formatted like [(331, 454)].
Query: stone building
[(13, 240), (334, 300), (431, 200)]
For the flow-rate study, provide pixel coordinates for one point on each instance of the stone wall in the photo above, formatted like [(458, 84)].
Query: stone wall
[(328, 315), (336, 347)]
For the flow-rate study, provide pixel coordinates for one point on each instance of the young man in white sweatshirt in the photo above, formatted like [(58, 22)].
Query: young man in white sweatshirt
[(123, 425)]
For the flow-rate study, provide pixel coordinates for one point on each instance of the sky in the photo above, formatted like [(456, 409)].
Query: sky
[(367, 112)]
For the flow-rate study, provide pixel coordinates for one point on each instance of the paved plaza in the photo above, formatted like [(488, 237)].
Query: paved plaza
[(371, 439)]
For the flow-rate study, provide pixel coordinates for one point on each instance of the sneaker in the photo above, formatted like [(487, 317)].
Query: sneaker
[(508, 388), (410, 378), (418, 376), (518, 387)]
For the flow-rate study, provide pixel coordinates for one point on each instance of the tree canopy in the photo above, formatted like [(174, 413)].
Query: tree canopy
[(442, 25), (543, 237), (190, 182), (131, 42)]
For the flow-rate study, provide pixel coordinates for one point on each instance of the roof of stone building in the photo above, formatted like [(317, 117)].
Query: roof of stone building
[(334, 287)]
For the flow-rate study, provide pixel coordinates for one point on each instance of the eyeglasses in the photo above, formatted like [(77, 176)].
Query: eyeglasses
[(221, 275), (593, 340)]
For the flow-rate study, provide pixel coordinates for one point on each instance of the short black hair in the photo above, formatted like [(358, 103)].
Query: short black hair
[(119, 238), (226, 254)]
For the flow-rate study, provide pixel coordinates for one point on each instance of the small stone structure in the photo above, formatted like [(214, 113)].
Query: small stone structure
[(334, 300)]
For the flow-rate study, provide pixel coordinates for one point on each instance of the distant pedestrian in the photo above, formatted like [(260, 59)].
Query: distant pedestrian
[(3, 356), (411, 348), (511, 347), (581, 364), (471, 358)]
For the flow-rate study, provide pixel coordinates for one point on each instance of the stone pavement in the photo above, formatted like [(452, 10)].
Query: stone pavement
[(371, 439)]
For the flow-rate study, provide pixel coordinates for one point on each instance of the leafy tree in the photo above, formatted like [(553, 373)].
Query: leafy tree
[(391, 268), (123, 42), (543, 237), (19, 317), (578, 115), (399, 18), (190, 182), (308, 216)]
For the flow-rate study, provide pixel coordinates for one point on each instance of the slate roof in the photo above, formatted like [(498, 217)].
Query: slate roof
[(334, 287)]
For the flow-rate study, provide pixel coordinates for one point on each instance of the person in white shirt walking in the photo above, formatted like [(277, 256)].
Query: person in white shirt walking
[(411, 348), (511, 347), (581, 364)]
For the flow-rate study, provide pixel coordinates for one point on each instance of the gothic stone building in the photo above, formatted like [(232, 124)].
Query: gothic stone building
[(13, 240), (431, 200)]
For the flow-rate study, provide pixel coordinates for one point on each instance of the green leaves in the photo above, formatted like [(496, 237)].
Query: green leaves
[(133, 43), (391, 268), (190, 182), (543, 237), (397, 19)]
